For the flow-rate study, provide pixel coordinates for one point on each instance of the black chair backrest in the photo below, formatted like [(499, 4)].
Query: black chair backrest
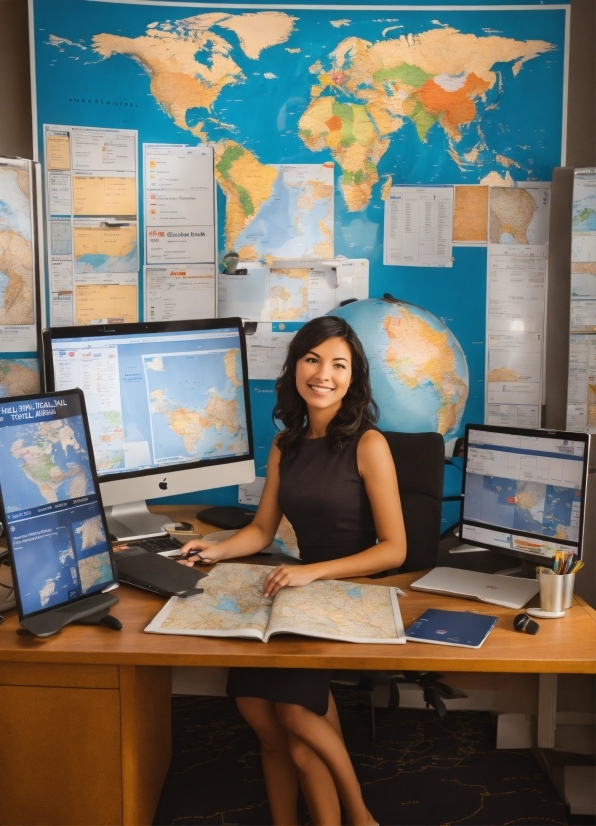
[(419, 461)]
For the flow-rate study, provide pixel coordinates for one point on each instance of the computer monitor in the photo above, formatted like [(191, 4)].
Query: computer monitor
[(50, 506), (168, 409), (524, 492)]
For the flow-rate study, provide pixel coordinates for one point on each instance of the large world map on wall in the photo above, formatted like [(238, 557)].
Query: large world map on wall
[(407, 98), (383, 96)]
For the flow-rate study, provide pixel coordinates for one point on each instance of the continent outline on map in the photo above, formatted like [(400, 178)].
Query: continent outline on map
[(359, 101)]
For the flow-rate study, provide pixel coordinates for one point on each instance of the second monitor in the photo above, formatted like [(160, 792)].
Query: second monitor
[(168, 409), (524, 492)]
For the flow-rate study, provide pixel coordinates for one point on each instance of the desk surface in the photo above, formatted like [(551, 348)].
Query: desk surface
[(566, 645)]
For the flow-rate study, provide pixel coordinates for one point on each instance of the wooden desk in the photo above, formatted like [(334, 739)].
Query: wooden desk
[(85, 715)]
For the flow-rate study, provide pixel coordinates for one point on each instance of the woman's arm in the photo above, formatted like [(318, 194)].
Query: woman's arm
[(377, 469), (256, 536)]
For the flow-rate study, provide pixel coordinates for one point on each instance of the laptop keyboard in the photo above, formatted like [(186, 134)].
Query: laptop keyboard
[(157, 544)]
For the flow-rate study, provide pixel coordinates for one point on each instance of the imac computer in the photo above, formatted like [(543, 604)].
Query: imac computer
[(168, 409), (524, 492)]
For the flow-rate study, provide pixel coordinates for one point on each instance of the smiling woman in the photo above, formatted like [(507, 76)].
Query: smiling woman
[(330, 472)]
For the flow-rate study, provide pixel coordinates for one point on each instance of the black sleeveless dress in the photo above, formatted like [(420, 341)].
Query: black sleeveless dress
[(323, 497)]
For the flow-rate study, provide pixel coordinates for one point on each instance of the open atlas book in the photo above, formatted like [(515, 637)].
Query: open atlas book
[(233, 605)]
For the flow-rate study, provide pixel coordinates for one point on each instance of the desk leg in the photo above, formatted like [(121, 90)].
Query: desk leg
[(547, 711), (146, 730)]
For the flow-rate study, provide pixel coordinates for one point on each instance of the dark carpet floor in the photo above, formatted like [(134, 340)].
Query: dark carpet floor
[(418, 770)]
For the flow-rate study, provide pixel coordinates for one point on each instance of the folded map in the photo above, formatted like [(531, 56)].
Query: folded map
[(232, 605)]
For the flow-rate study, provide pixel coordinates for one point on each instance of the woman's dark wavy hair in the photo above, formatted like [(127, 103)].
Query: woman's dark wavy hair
[(358, 406)]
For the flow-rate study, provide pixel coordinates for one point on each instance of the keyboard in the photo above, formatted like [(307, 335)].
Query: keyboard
[(157, 544)]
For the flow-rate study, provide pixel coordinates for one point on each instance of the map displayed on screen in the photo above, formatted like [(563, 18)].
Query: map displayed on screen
[(527, 485), (52, 512), (550, 510), (46, 462), (194, 409), (158, 399)]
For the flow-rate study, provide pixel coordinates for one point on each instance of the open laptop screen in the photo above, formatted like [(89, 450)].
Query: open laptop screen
[(51, 509)]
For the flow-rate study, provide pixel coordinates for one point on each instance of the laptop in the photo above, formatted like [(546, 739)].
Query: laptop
[(508, 591)]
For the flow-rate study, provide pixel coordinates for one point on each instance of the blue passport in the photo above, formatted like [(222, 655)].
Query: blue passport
[(462, 628)]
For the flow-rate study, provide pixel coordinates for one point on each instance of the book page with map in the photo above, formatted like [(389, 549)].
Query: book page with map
[(232, 605)]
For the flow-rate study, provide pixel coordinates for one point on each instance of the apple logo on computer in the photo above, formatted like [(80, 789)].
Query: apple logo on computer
[(163, 485)]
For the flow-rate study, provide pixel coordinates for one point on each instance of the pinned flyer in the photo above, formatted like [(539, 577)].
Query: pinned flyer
[(419, 226)]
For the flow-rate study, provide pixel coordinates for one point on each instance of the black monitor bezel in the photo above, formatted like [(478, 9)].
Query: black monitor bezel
[(105, 586), (51, 334), (536, 559)]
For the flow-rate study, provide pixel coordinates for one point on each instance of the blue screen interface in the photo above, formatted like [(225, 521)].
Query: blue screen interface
[(53, 516), (524, 492), (158, 399)]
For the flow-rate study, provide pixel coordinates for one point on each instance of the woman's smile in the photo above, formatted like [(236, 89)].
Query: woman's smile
[(324, 374)]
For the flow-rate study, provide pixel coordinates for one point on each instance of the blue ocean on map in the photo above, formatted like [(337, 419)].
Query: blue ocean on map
[(46, 565), (95, 262), (584, 215), (196, 411), (500, 501), (274, 226), (41, 468), (268, 109)]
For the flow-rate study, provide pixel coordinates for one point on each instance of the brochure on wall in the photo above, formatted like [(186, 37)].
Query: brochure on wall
[(583, 226), (516, 293), (290, 290), (18, 302), (516, 302), (513, 415), (179, 203), (267, 347), (92, 227), (514, 378), (180, 236), (581, 388), (518, 219), (419, 226), (583, 280), (179, 292)]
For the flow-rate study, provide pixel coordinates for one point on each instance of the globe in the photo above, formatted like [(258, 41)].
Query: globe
[(418, 370)]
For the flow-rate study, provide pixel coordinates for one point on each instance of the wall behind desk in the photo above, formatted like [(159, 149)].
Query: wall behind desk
[(456, 295)]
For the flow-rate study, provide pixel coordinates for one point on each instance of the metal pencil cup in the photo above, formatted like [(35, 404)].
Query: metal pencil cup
[(556, 591)]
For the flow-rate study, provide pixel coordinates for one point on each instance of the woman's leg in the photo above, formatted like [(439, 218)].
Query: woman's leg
[(322, 736), (316, 781), (281, 777)]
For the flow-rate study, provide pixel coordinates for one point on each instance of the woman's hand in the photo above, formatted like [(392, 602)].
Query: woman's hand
[(198, 550), (288, 576)]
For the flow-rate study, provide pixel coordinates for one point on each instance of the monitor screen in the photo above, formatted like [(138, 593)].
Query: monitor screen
[(158, 395), (524, 491), (168, 406), (51, 508)]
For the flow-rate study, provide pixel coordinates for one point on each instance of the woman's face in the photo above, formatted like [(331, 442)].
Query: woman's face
[(324, 374)]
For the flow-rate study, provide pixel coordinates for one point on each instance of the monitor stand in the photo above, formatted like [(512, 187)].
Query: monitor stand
[(526, 570), (133, 521), (91, 611)]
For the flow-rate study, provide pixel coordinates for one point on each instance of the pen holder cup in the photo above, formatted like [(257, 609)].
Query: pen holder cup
[(556, 591)]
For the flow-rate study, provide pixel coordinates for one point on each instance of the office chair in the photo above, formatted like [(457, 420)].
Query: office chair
[(419, 461)]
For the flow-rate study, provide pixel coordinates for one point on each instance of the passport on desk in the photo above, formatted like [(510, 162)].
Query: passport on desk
[(461, 628)]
